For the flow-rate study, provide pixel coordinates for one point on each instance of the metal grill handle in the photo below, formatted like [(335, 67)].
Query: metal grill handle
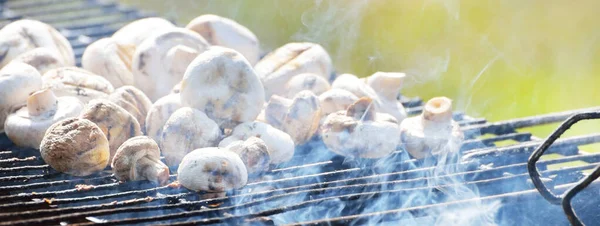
[(564, 199)]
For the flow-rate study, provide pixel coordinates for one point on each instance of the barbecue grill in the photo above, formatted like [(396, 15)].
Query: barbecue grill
[(485, 183)]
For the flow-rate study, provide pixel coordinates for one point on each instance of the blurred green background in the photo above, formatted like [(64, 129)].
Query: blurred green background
[(495, 59)]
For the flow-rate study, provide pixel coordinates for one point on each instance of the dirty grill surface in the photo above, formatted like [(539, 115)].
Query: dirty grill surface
[(316, 186)]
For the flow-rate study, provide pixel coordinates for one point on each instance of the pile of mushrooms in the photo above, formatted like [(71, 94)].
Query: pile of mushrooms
[(201, 97)]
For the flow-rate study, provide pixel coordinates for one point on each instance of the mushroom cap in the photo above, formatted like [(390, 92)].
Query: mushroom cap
[(137, 31), (221, 83), (212, 170), (225, 32), (253, 152), (139, 159), (335, 100), (134, 101), (355, 85), (161, 60), (42, 59), (27, 130), (300, 118), (279, 66), (17, 81), (159, 113), (23, 35), (107, 58), (186, 130), (114, 121), (75, 146), (306, 81), (280, 144), (77, 82)]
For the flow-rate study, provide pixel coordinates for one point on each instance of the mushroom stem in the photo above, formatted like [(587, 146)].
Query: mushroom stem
[(437, 110), (153, 170), (41, 102), (276, 109), (386, 84)]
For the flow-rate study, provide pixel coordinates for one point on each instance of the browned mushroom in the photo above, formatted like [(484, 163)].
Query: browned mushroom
[(212, 170), (139, 159), (134, 101)]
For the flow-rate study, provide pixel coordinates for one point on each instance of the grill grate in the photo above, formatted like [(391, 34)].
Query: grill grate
[(315, 187)]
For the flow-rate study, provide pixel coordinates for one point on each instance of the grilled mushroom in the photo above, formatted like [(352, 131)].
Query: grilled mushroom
[(75, 146), (299, 117), (137, 31), (114, 121), (186, 130), (433, 132), (335, 100), (42, 59), (27, 126), (281, 65), (139, 159), (212, 170), (279, 143), (253, 152), (17, 81), (161, 60), (222, 84), (387, 86), (307, 81), (111, 60), (23, 35), (159, 113), (77, 82), (359, 132), (225, 32), (134, 101)]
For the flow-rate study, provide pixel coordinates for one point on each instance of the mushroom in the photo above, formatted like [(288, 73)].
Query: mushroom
[(159, 113), (186, 130), (27, 126), (387, 86), (42, 59), (75, 146), (77, 82), (161, 60), (299, 117), (307, 81), (433, 132), (253, 152), (23, 35), (137, 31), (279, 143), (17, 81), (358, 132), (111, 60), (114, 121), (335, 100), (225, 32), (134, 101), (279, 66), (139, 159), (222, 84), (212, 170)]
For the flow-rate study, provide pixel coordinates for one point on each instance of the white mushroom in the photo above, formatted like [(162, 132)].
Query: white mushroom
[(222, 84), (359, 133), (111, 60), (225, 32), (77, 82), (253, 152), (279, 66), (159, 113), (27, 126), (387, 86), (139, 159), (212, 170), (17, 81), (433, 132), (307, 81), (280, 144), (335, 100), (114, 121), (42, 59), (75, 146), (137, 31), (23, 35), (134, 101), (186, 130), (161, 60), (298, 117)]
